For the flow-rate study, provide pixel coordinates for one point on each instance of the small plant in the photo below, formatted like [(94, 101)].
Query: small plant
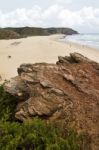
[(7, 105)]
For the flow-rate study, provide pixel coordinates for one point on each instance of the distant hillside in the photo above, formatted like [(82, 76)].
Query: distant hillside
[(8, 34), (13, 33)]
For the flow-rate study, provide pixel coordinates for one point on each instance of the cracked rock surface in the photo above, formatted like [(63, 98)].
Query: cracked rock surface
[(66, 92)]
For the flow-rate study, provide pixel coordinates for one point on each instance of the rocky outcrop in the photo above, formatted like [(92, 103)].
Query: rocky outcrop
[(66, 92)]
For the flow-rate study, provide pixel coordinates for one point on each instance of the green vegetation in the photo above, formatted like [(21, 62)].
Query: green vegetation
[(35, 134), (7, 105), (14, 33), (6, 34)]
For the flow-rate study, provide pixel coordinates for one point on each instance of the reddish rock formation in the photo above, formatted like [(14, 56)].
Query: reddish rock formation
[(66, 92)]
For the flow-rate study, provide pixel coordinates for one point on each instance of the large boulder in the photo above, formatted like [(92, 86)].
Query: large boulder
[(66, 92)]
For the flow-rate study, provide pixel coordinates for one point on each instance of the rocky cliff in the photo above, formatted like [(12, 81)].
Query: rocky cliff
[(66, 92)]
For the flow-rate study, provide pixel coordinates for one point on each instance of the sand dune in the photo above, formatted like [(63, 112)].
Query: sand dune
[(37, 49)]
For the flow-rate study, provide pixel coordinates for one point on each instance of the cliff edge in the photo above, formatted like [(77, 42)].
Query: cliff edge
[(66, 92)]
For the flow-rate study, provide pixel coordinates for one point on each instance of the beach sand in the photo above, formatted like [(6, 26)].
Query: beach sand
[(35, 49)]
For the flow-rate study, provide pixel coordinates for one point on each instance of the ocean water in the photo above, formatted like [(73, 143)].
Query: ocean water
[(91, 40)]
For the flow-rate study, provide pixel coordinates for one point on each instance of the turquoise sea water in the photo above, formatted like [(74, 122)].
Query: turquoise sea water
[(91, 40)]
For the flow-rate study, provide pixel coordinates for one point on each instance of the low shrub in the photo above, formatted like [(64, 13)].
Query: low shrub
[(32, 135), (7, 105), (36, 135)]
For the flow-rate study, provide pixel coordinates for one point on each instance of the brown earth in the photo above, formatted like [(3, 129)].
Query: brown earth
[(66, 92)]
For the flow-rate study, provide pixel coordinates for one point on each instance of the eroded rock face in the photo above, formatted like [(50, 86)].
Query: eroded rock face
[(66, 92)]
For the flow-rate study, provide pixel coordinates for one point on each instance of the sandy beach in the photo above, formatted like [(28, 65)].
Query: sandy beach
[(37, 49)]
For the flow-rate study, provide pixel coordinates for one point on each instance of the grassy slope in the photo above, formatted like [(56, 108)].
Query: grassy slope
[(7, 34), (12, 33)]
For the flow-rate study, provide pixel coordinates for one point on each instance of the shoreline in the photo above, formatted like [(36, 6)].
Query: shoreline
[(74, 43), (82, 48), (37, 49)]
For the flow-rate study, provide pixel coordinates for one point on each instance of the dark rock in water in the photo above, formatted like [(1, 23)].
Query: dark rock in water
[(66, 92)]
